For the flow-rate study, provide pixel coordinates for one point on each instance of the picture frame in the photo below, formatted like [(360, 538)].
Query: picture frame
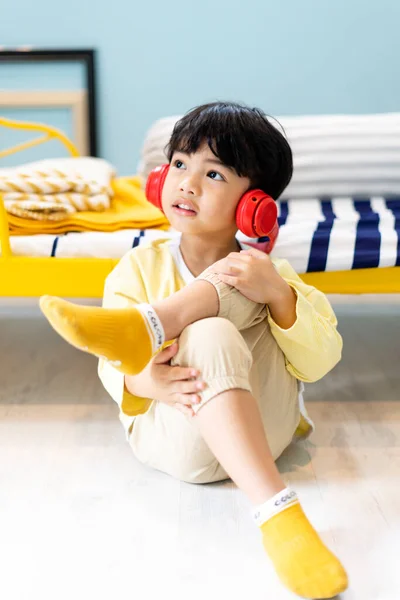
[(83, 102)]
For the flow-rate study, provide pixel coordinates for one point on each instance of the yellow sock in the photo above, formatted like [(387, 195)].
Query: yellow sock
[(302, 561), (126, 337)]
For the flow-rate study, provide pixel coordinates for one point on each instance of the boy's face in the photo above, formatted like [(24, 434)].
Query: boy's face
[(200, 194)]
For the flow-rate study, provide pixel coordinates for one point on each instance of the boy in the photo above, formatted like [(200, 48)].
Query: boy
[(247, 325)]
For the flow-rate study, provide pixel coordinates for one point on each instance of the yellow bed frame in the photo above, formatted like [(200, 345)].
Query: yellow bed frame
[(84, 277)]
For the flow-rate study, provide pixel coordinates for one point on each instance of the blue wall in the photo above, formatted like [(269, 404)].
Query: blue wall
[(158, 58)]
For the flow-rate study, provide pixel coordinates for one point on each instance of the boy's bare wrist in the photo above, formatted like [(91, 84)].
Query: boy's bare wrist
[(283, 308)]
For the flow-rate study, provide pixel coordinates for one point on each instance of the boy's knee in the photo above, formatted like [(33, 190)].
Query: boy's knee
[(213, 345), (212, 332), (210, 338), (218, 351)]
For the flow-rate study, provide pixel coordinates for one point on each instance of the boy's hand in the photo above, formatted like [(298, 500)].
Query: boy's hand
[(253, 274), (176, 386)]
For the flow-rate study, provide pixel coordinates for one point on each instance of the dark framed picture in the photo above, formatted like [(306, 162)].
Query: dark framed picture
[(56, 87)]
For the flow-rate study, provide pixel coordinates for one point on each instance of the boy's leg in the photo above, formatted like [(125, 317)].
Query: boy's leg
[(232, 427), (129, 337), (227, 436)]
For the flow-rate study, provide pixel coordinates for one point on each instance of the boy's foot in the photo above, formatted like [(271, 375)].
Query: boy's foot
[(302, 561), (126, 337)]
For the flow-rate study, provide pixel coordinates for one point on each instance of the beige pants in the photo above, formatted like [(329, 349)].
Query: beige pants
[(234, 350)]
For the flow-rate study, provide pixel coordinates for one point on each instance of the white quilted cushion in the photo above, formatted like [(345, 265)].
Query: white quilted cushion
[(334, 155)]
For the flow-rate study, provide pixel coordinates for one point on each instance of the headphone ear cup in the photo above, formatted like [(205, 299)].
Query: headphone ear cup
[(256, 214), (155, 184)]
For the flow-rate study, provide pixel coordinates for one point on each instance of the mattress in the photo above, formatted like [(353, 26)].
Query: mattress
[(316, 234)]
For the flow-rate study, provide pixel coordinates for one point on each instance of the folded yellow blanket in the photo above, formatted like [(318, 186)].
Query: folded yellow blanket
[(129, 210)]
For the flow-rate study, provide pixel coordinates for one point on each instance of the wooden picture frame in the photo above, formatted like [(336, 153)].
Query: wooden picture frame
[(81, 102), (76, 101)]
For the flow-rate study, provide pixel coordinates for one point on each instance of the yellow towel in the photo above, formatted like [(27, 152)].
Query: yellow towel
[(129, 210)]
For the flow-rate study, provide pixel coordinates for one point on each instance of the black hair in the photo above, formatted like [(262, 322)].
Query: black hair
[(242, 138)]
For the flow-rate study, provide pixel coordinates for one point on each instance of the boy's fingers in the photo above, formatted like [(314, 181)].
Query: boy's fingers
[(190, 387), (183, 373)]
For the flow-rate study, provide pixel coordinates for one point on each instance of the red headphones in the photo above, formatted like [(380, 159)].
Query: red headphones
[(256, 213)]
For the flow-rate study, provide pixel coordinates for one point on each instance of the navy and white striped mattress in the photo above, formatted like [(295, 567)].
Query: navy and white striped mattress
[(324, 234)]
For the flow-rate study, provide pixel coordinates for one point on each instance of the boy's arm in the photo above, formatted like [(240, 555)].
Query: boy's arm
[(312, 345), (123, 288)]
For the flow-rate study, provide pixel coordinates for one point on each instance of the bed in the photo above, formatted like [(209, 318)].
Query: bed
[(342, 244)]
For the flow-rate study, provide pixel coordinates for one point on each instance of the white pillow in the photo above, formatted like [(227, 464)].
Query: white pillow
[(157, 137), (333, 155)]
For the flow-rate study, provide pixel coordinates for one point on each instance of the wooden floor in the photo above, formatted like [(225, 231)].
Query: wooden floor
[(81, 519)]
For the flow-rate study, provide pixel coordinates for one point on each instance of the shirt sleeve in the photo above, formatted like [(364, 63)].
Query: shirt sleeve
[(123, 288), (312, 346)]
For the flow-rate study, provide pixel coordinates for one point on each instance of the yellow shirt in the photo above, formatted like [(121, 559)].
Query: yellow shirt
[(312, 346)]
